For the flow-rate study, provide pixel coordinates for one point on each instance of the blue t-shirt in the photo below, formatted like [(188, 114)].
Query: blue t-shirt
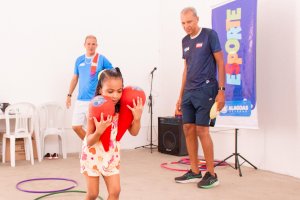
[(198, 53), (88, 78)]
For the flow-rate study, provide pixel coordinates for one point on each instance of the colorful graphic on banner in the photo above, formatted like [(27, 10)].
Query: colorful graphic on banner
[(235, 24)]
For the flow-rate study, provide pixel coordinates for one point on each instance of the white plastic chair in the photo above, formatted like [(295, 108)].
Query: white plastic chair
[(51, 122), (24, 115)]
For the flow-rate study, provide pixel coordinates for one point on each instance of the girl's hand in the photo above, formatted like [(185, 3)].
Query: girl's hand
[(137, 108), (102, 124)]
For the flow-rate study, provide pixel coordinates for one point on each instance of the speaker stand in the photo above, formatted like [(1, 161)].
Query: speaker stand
[(151, 145), (236, 155)]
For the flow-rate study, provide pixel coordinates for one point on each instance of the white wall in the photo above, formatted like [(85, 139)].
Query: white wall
[(40, 41), (278, 70)]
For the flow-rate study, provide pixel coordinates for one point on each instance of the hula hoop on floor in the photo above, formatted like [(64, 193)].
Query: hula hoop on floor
[(186, 161), (167, 166), (54, 193), (44, 179)]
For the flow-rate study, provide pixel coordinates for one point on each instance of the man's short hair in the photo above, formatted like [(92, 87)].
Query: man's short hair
[(189, 9), (90, 36)]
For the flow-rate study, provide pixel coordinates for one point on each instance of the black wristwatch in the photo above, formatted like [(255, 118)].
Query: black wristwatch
[(69, 95), (222, 88)]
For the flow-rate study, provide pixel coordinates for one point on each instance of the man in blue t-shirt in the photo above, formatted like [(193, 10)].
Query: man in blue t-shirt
[(86, 71), (203, 58)]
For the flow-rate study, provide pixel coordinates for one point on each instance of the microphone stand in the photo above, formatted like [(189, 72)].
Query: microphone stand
[(151, 145)]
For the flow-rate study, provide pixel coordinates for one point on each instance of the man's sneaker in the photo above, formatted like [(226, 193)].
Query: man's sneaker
[(189, 177), (208, 181)]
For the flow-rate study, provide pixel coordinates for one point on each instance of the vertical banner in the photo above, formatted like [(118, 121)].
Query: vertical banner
[(235, 23)]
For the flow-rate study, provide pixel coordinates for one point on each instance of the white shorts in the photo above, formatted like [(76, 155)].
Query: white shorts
[(80, 113)]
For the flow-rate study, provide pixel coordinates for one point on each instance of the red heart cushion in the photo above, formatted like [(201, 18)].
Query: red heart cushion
[(125, 115), (101, 104), (98, 105)]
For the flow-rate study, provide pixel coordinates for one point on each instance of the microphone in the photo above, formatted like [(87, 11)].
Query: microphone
[(153, 70)]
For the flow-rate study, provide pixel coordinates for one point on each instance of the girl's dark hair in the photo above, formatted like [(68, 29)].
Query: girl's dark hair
[(106, 74)]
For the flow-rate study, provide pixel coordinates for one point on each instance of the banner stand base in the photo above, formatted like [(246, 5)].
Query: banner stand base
[(236, 155)]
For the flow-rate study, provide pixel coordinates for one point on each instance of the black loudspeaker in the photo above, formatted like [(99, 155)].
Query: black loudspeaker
[(171, 138)]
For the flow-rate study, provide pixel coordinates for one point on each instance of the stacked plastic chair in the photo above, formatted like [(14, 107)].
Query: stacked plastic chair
[(51, 122)]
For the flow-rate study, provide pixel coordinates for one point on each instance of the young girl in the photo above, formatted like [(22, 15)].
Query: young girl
[(95, 161)]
